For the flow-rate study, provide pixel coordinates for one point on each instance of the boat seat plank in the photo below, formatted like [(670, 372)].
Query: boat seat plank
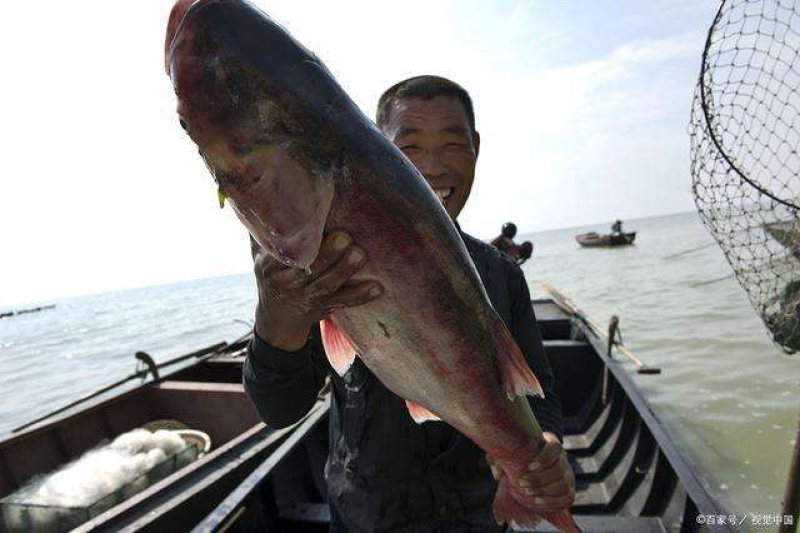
[(546, 311), (584, 465), (220, 409), (564, 344), (200, 386), (593, 495)]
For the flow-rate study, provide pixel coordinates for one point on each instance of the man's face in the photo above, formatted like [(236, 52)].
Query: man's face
[(435, 135)]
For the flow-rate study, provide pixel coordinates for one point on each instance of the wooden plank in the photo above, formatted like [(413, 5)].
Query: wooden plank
[(220, 409), (568, 344), (82, 434), (200, 386), (546, 310)]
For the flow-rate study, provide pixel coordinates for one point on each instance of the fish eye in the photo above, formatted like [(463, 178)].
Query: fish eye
[(183, 125)]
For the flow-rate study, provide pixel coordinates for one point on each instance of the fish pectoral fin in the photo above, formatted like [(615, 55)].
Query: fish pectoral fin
[(518, 378), (420, 414), (340, 351)]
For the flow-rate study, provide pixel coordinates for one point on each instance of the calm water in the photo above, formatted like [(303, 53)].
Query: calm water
[(727, 394)]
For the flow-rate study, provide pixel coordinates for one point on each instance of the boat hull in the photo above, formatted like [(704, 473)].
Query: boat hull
[(594, 240)]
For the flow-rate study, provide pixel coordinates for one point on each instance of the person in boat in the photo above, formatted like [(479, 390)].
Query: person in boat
[(384, 472), (616, 228), (505, 241), (525, 252)]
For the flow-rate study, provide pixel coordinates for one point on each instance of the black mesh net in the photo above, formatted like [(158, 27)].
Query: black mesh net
[(745, 136)]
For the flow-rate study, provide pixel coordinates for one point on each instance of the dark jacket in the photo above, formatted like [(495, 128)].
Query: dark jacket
[(385, 472)]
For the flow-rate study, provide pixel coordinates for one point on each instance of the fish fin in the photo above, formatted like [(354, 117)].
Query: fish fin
[(507, 510), (338, 348), (420, 414), (518, 378)]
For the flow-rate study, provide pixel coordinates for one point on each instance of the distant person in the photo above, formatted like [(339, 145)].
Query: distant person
[(505, 241), (616, 228), (525, 252)]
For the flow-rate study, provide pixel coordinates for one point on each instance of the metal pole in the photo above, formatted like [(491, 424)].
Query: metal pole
[(566, 304), (791, 496)]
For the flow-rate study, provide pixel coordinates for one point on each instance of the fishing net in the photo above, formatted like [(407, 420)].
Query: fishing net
[(745, 136)]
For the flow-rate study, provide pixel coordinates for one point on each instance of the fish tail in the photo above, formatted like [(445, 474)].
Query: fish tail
[(508, 510)]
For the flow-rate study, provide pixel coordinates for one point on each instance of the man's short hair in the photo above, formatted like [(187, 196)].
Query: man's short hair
[(425, 87)]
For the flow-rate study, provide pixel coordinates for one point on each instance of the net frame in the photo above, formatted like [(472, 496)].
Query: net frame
[(745, 166)]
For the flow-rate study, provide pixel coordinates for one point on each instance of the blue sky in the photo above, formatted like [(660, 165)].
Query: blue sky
[(583, 108)]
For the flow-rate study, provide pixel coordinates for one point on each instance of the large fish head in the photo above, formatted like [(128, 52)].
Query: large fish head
[(248, 128)]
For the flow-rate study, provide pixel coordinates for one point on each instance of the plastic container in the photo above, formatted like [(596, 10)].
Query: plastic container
[(19, 516)]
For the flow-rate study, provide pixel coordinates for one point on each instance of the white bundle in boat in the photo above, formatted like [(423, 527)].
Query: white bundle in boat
[(100, 479), (105, 470)]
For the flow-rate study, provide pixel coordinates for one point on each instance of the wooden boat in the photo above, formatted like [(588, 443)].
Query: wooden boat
[(207, 395), (594, 240), (630, 475)]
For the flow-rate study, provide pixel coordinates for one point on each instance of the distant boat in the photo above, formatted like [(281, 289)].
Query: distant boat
[(594, 239)]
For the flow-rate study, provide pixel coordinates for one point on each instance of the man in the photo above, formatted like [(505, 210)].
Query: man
[(384, 472), (505, 241), (525, 252), (616, 228)]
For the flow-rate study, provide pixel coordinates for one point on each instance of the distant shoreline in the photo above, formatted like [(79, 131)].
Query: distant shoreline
[(522, 232)]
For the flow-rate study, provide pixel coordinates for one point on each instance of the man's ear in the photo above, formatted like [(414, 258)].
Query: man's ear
[(476, 142)]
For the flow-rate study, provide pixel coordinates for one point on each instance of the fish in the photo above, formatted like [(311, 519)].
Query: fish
[(296, 160)]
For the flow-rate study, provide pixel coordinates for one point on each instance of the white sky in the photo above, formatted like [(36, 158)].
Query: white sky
[(582, 107)]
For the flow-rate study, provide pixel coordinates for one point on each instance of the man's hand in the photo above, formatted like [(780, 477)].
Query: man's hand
[(549, 479), (291, 300)]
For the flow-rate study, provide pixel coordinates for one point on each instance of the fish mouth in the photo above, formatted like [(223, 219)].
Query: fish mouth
[(284, 205), (297, 250), (301, 249)]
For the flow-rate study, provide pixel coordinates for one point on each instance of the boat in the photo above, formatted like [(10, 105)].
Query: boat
[(206, 395), (786, 232), (630, 475), (595, 240)]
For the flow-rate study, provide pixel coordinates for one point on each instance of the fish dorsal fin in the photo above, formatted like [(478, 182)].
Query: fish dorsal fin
[(518, 378), (338, 348), (420, 414)]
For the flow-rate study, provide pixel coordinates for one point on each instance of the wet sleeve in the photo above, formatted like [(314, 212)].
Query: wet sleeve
[(526, 332), (282, 385)]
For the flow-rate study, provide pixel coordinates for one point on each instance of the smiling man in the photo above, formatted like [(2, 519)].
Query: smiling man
[(384, 472)]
